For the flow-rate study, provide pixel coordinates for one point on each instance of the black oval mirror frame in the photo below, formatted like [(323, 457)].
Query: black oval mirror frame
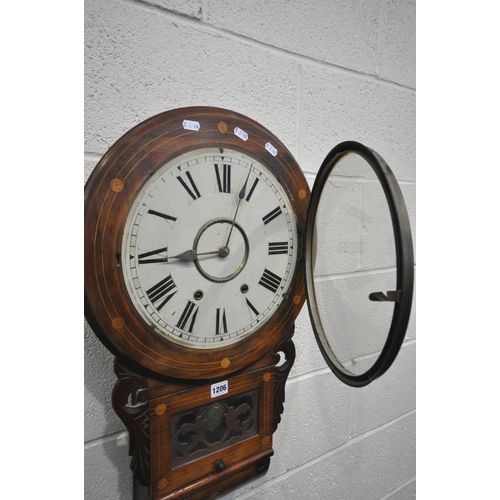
[(402, 296)]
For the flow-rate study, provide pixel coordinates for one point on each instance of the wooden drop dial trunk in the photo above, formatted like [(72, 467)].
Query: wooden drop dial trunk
[(184, 443)]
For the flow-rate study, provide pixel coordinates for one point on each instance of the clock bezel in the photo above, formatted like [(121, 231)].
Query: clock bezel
[(109, 193), (403, 295)]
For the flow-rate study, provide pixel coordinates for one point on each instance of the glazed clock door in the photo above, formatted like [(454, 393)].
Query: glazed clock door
[(359, 264)]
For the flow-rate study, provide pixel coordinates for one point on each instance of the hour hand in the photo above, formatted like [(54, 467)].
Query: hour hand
[(144, 257), (191, 255), (187, 256)]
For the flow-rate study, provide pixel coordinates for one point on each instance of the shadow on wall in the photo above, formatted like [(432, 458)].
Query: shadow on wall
[(107, 464)]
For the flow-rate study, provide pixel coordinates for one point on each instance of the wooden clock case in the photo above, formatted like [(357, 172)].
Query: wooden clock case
[(185, 443)]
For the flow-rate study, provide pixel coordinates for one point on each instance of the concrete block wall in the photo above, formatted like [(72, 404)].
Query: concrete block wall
[(315, 73)]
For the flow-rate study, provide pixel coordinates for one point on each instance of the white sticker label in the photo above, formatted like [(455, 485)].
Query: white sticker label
[(241, 133), (271, 149), (190, 125), (219, 389)]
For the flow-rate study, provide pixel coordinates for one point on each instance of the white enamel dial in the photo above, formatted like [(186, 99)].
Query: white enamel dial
[(209, 248)]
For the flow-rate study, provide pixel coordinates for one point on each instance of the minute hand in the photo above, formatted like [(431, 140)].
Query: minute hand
[(240, 197)]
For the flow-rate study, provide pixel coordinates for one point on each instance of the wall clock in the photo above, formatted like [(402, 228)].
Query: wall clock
[(202, 241)]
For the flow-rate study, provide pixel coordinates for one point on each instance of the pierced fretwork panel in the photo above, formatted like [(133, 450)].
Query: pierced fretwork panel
[(201, 431)]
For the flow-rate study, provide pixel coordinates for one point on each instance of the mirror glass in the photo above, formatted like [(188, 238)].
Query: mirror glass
[(355, 256)]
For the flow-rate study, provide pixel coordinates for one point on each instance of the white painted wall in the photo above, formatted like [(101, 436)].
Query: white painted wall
[(315, 73)]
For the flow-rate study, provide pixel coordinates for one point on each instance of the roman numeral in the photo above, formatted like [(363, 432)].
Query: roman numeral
[(270, 281), (220, 321), (143, 260), (188, 315), (196, 194), (224, 182), (163, 216), (278, 247), (252, 189), (252, 307), (162, 292), (271, 215)]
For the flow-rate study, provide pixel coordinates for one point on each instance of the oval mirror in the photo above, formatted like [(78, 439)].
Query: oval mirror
[(359, 263)]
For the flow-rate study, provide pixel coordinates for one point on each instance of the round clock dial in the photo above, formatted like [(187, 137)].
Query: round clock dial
[(209, 248), (194, 228)]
